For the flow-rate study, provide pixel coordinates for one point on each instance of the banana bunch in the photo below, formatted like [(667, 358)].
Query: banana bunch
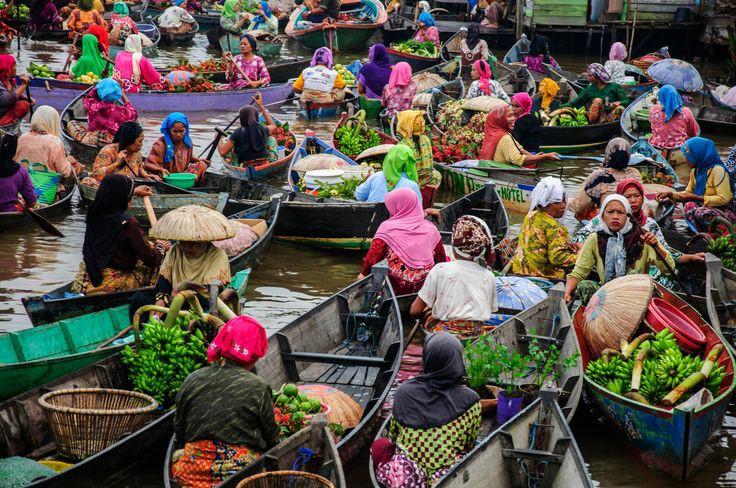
[(651, 388), (616, 386), (716, 377), (602, 372), (672, 367), (565, 117), (720, 245)]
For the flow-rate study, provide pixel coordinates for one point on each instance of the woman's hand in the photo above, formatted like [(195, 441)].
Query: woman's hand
[(24, 80), (433, 212), (576, 247), (692, 258), (142, 191), (121, 159), (649, 238), (665, 195), (361, 276), (164, 244)]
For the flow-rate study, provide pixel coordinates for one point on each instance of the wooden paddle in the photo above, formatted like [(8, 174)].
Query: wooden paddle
[(28, 94), (220, 133), (44, 224), (411, 335), (149, 210), (69, 57)]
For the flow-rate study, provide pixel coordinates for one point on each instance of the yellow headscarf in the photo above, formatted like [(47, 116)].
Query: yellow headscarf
[(213, 264), (410, 123), (549, 90)]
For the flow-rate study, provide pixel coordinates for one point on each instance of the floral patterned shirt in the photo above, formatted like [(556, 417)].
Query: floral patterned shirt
[(404, 279), (543, 248), (671, 134), (398, 99), (496, 90), (255, 69)]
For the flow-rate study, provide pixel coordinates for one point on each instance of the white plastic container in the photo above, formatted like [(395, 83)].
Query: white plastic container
[(328, 176)]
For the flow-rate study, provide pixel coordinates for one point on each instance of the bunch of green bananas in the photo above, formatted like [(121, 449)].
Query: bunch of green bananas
[(723, 247), (672, 368), (713, 383), (353, 144), (601, 372), (166, 357), (650, 386)]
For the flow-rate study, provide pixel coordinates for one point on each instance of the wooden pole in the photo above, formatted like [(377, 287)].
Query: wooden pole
[(519, 18)]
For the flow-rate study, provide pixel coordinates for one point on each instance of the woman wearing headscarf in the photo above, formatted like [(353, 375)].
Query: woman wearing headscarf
[(84, 16), (483, 83), (15, 179), (91, 60), (546, 96), (399, 171), (672, 123), (399, 94), (107, 108), (526, 126), (461, 293), (615, 65), (473, 48), (265, 21), (374, 75), (435, 419), (319, 82), (409, 243), (134, 70), (709, 193), (224, 412), (44, 16), (103, 39), (602, 181), (544, 248), (539, 55), (174, 152), (605, 100), (176, 19), (121, 25), (246, 70), (494, 15), (617, 249), (116, 254), (252, 143), (427, 32), (234, 15), (411, 127), (13, 102)]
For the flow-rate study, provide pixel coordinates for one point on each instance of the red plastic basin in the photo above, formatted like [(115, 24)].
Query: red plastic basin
[(661, 314)]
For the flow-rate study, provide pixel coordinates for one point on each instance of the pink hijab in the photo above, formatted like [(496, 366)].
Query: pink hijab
[(242, 340), (618, 52), (524, 101), (400, 75), (485, 72), (406, 232)]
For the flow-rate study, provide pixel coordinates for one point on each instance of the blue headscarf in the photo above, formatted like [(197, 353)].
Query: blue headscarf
[(166, 125), (426, 19), (177, 2), (702, 153), (258, 20), (109, 90), (670, 100)]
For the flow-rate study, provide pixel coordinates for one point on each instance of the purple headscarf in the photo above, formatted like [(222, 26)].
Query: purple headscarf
[(322, 55), (374, 75)]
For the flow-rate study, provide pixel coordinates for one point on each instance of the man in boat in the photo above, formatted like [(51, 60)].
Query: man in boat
[(176, 19), (323, 10)]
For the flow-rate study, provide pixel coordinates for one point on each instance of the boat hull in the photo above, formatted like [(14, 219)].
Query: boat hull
[(417, 63), (566, 140), (205, 21), (347, 38), (55, 93), (12, 220)]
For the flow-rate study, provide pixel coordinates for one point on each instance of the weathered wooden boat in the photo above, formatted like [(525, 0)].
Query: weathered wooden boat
[(55, 93), (676, 441), (175, 38), (12, 220), (397, 28), (268, 46), (417, 63), (518, 51), (341, 35), (152, 33), (281, 69), (483, 203), (567, 140), (58, 35), (720, 291), (137, 10), (206, 20), (716, 100)]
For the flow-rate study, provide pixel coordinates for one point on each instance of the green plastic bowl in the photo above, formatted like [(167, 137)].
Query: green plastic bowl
[(181, 180)]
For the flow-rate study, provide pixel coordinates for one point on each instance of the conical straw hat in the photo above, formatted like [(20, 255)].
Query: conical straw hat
[(615, 312), (193, 223), (379, 150), (483, 104)]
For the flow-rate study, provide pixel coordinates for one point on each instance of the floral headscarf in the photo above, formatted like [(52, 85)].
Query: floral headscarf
[(242, 340), (598, 71), (472, 239)]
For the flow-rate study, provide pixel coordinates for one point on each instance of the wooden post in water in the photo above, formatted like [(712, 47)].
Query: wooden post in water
[(519, 18)]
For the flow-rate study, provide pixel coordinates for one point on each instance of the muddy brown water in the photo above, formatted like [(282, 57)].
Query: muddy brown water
[(291, 280)]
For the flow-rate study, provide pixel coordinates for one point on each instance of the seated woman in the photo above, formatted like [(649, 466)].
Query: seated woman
[(399, 171), (319, 82), (399, 94), (13, 104), (473, 48), (14, 179), (539, 55), (91, 60), (84, 16), (615, 65), (252, 142), (526, 126), (265, 21), (427, 32), (602, 181), (606, 100), (616, 249), (246, 70), (105, 114), (374, 75), (544, 249), (435, 419), (121, 25), (494, 14), (44, 16), (409, 243), (461, 293), (709, 193), (117, 255), (224, 412), (234, 16), (411, 127), (484, 84), (672, 123), (103, 38), (500, 146), (546, 96), (175, 19), (173, 152), (134, 70)]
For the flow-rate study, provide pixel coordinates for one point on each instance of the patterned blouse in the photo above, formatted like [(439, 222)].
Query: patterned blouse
[(428, 34), (108, 155), (255, 69), (496, 90), (423, 155), (671, 134), (398, 99), (543, 248), (404, 280)]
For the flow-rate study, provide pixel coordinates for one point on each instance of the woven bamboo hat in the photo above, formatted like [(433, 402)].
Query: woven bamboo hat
[(483, 104), (425, 81), (193, 223), (379, 150)]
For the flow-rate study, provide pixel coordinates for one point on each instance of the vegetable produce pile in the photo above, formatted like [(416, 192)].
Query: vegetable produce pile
[(654, 371), (199, 84), (89, 78), (285, 138), (40, 71), (720, 240), (346, 74), (20, 12), (291, 409), (564, 117), (165, 358), (426, 49), (208, 66), (344, 189), (461, 140), (658, 178), (354, 136)]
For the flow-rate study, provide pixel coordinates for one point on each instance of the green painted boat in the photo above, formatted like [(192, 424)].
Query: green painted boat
[(268, 46)]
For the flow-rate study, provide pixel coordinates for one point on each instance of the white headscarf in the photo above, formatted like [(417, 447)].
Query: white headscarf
[(134, 45), (615, 266), (549, 190), (46, 119), (423, 6)]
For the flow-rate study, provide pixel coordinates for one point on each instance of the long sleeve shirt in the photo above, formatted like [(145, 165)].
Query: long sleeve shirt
[(10, 186), (611, 92), (718, 191)]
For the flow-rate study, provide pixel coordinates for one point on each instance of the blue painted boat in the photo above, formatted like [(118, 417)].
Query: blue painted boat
[(312, 145), (676, 440)]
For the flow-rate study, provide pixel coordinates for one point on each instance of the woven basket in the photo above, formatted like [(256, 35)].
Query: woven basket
[(421, 100), (286, 479), (426, 81), (85, 421), (483, 104)]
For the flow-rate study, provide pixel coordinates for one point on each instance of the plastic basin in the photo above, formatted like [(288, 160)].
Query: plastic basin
[(661, 314), (181, 180)]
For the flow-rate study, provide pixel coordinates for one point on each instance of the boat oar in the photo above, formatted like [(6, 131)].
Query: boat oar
[(28, 94), (149, 210), (47, 226), (411, 335), (217, 138), (69, 57)]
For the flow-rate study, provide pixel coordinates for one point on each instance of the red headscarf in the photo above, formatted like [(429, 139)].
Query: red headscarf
[(382, 450), (242, 339), (497, 126), (640, 217), (485, 72), (7, 62), (101, 35)]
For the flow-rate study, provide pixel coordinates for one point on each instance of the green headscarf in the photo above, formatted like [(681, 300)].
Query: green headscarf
[(121, 8), (229, 9), (85, 5), (91, 59), (399, 159)]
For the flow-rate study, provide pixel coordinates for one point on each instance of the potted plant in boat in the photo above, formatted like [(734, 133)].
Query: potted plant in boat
[(545, 359), (481, 366), (512, 366)]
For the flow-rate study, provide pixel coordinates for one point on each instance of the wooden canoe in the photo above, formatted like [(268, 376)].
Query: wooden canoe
[(417, 63), (348, 35), (518, 51), (56, 93), (148, 51), (268, 45), (85, 153), (385, 138), (206, 20), (397, 29), (175, 39), (58, 35), (12, 220), (324, 110), (675, 441)]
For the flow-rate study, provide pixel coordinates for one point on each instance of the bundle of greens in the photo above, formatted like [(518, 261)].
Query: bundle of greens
[(426, 49)]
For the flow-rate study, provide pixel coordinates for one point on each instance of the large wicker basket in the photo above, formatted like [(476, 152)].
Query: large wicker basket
[(286, 479), (85, 421)]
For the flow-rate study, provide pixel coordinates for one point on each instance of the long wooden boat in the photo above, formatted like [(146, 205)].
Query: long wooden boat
[(56, 93), (148, 51), (720, 291), (281, 69), (206, 20), (323, 110), (518, 51), (396, 28), (417, 63), (137, 10), (58, 35), (175, 39), (12, 220), (676, 441), (348, 35)]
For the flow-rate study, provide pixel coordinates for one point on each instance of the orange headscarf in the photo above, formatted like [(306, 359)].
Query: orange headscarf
[(497, 126)]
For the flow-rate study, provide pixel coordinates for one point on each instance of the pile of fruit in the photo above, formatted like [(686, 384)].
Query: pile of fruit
[(426, 49), (20, 12), (166, 357), (460, 140), (354, 136), (285, 138), (345, 189), (658, 178), (722, 246), (89, 78), (200, 84), (564, 117), (346, 75), (654, 371), (40, 71), (208, 66), (291, 409)]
